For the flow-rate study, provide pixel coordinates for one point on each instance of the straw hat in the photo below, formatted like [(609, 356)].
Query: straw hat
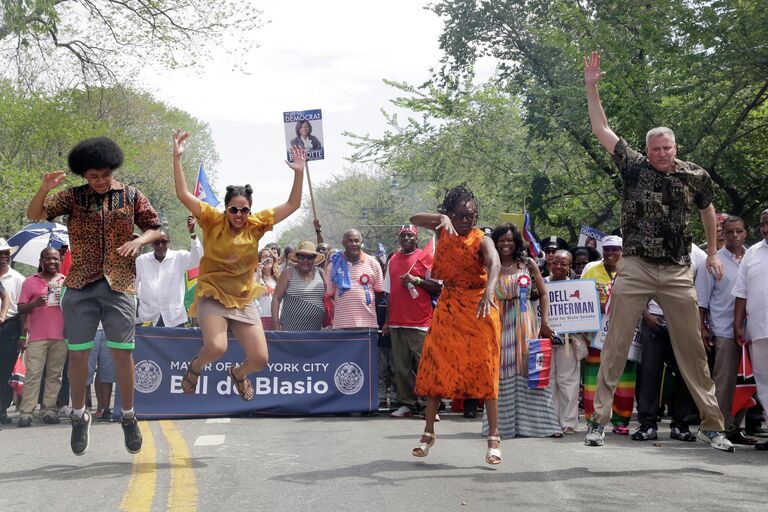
[(4, 245), (306, 247)]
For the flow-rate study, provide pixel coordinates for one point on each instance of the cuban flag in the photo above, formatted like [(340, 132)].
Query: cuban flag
[(533, 245), (203, 190)]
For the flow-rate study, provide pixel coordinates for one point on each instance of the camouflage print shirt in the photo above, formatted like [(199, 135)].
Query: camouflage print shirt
[(656, 206), (98, 225)]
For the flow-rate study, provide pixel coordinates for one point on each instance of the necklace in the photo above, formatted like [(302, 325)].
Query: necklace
[(510, 266)]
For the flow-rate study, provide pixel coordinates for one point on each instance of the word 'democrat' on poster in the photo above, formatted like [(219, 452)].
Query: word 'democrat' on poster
[(305, 129), (574, 306)]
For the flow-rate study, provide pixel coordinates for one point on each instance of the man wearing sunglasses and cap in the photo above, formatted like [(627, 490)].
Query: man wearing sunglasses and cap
[(549, 246), (409, 314)]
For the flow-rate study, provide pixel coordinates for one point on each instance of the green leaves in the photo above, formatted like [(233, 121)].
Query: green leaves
[(37, 131)]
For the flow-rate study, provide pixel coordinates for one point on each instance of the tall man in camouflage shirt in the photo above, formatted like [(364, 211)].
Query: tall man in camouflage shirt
[(659, 192)]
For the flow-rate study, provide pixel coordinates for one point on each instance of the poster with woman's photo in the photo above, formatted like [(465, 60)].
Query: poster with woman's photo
[(304, 128)]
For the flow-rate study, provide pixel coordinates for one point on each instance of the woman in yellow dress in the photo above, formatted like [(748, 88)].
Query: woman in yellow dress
[(225, 287), (460, 358)]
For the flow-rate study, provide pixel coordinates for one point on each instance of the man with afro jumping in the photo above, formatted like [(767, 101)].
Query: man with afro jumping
[(101, 284)]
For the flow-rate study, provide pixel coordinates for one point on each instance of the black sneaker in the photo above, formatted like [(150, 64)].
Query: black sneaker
[(106, 415), (682, 433), (81, 427), (25, 421), (646, 432), (4, 419), (132, 434)]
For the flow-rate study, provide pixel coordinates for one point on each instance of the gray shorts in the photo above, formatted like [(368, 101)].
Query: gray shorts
[(96, 302), (100, 359)]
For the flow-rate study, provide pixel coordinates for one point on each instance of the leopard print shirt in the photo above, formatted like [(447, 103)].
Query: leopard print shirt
[(98, 225)]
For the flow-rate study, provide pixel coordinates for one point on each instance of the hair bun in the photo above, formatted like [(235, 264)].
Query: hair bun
[(230, 188), (248, 189)]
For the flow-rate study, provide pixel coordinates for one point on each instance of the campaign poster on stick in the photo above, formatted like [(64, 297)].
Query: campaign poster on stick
[(589, 236), (574, 306), (599, 340), (304, 128)]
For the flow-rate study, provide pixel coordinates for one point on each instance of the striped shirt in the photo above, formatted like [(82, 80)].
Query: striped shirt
[(303, 307), (351, 309)]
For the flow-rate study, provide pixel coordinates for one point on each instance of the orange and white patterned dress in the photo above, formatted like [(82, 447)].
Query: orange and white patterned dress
[(460, 358)]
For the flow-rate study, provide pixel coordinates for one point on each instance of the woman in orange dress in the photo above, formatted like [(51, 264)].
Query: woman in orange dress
[(460, 358)]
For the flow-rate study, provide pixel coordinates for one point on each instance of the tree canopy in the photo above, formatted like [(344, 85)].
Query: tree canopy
[(98, 41), (37, 131), (699, 67)]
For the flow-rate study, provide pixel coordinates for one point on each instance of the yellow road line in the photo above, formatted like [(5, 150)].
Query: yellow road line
[(141, 489), (183, 492)]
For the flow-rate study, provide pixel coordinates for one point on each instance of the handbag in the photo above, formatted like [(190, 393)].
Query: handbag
[(16, 382)]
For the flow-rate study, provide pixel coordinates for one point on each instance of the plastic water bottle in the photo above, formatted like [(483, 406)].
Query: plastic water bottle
[(412, 290)]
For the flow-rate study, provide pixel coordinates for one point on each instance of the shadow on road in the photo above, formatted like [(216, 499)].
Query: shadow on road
[(96, 469)]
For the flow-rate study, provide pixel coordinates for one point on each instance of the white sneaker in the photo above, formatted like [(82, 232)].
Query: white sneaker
[(65, 411), (595, 434), (403, 412), (716, 440)]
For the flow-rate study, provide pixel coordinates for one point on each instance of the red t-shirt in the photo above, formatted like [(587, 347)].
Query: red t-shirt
[(404, 310)]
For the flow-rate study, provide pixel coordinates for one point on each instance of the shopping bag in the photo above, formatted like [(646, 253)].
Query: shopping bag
[(539, 363), (17, 375)]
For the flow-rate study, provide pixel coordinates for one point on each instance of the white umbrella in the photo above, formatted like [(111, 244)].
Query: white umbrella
[(33, 238)]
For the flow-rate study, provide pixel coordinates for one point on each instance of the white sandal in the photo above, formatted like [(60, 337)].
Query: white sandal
[(422, 449), (493, 455)]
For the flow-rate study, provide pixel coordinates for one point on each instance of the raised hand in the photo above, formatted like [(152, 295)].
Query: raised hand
[(51, 180), (592, 73), (299, 158), (445, 223), (178, 142)]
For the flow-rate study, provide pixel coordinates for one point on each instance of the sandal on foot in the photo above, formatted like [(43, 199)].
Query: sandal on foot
[(244, 386), (493, 455), (422, 449), (188, 385)]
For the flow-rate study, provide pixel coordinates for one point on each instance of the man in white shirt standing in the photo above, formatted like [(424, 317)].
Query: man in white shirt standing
[(10, 328), (751, 292), (716, 308), (160, 280)]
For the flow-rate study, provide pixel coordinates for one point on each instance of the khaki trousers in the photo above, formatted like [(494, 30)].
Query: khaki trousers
[(565, 375), (406, 354), (671, 285), (51, 356), (724, 373)]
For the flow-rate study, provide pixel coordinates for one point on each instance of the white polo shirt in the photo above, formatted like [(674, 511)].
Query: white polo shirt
[(752, 284)]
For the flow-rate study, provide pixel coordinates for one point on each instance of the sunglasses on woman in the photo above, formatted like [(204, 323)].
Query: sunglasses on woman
[(234, 209)]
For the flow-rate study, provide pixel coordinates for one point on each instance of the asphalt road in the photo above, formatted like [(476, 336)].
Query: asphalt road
[(364, 464)]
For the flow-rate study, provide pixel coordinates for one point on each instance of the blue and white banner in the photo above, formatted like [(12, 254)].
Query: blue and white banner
[(324, 372)]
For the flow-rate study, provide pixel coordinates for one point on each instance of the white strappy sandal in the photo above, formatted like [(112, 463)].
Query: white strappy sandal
[(422, 449), (493, 455)]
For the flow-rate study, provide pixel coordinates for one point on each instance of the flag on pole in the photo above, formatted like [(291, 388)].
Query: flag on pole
[(533, 245), (427, 256), (745, 385), (190, 281), (203, 190)]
